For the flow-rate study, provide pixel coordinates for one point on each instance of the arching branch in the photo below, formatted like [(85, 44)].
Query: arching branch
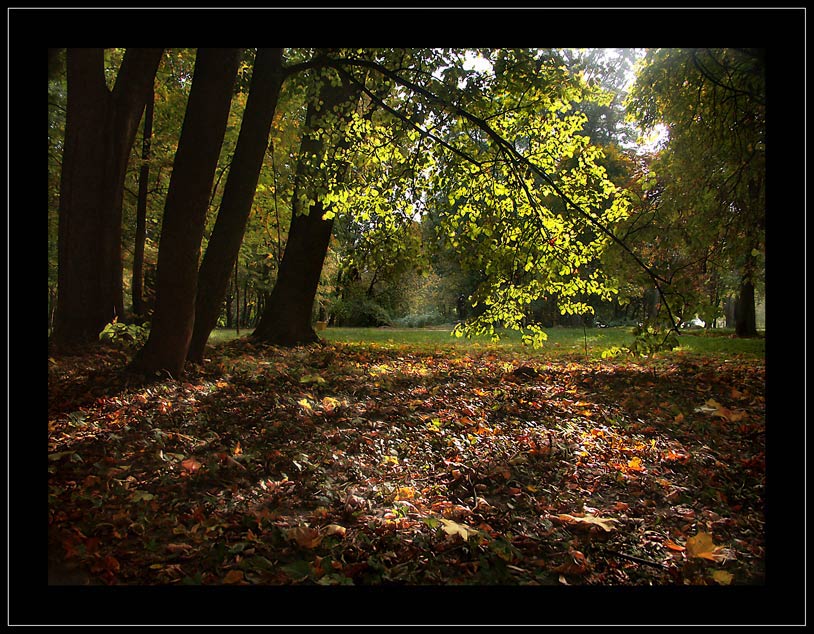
[(509, 150)]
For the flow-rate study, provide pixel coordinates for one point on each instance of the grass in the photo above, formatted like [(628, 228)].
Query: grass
[(562, 342)]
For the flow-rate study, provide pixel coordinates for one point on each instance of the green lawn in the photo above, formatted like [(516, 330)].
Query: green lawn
[(561, 341)]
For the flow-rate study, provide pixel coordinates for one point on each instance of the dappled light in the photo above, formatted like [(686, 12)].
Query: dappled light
[(336, 465)]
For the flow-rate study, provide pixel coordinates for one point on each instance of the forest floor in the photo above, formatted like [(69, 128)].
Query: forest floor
[(373, 464)]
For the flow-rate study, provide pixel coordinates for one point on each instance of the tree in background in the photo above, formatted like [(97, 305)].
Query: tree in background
[(100, 129), (712, 169), (141, 212)]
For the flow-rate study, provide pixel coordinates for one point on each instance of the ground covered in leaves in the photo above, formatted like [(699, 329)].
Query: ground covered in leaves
[(363, 464)]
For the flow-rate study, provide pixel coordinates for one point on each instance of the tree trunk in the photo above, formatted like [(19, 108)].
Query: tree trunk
[(227, 234), (141, 214), (745, 322), (286, 318), (99, 132), (185, 211), (729, 312)]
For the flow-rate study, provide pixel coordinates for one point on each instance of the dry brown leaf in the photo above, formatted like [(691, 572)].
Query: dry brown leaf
[(305, 536), (233, 576)]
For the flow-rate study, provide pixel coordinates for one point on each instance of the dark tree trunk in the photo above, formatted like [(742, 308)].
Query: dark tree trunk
[(286, 318), (729, 312), (227, 234), (99, 132), (745, 322), (141, 214), (185, 211)]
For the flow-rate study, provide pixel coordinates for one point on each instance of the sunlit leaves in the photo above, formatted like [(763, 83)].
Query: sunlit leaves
[(702, 546)]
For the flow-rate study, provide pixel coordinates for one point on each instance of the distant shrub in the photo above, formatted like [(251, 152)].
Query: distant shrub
[(359, 313), (419, 321)]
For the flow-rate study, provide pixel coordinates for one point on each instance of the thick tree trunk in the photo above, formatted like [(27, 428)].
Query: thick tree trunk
[(745, 322), (286, 318), (141, 214), (185, 211), (99, 133), (227, 234)]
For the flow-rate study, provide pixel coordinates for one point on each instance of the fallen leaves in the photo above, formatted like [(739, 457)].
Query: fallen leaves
[(271, 466), (714, 408)]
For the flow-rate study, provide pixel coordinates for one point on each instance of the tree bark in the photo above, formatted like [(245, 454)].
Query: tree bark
[(238, 195), (286, 318), (185, 211), (100, 130), (745, 322), (745, 318), (141, 213)]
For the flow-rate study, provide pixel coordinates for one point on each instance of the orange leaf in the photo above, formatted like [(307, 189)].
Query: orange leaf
[(191, 465), (233, 576), (702, 547), (671, 545), (305, 536), (111, 564), (635, 464)]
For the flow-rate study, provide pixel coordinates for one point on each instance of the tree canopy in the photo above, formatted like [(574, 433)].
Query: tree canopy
[(518, 163)]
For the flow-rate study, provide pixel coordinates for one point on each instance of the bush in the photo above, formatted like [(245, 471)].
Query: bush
[(359, 313), (125, 335), (420, 321)]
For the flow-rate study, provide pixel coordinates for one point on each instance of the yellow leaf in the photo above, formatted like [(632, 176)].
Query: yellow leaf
[(238, 449), (722, 577), (334, 529), (405, 493), (702, 547), (635, 464), (604, 522), (453, 528)]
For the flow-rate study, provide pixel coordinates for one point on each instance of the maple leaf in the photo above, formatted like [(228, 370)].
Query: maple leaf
[(454, 528), (603, 522), (701, 546)]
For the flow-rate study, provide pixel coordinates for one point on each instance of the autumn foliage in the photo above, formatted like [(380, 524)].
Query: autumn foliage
[(371, 464)]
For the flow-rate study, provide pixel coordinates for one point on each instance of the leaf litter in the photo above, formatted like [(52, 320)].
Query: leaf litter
[(343, 464)]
